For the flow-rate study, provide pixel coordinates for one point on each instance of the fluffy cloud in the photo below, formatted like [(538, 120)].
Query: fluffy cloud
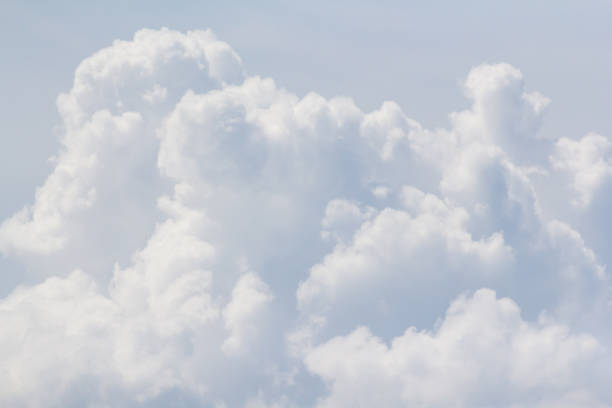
[(398, 258), (210, 238), (249, 296), (482, 354), (587, 162), (153, 331)]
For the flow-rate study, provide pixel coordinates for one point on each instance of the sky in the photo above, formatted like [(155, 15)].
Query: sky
[(282, 204)]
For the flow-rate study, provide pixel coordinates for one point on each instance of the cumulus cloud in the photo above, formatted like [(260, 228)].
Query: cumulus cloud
[(399, 257), (482, 354), (587, 163), (249, 296), (208, 237)]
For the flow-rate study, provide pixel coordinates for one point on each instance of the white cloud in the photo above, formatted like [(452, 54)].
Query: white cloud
[(157, 94), (482, 354), (103, 115), (587, 163), (176, 170), (342, 218), (155, 330), (249, 296), (70, 188), (54, 334), (400, 255)]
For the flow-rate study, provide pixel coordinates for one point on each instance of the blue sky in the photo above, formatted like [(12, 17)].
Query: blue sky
[(282, 204)]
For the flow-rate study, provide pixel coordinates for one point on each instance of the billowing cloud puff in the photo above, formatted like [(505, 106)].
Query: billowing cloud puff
[(587, 161), (207, 238), (482, 354), (397, 258)]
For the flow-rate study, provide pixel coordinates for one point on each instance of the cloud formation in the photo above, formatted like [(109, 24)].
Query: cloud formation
[(209, 238), (482, 354)]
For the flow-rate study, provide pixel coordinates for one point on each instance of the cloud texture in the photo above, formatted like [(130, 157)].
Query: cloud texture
[(206, 238)]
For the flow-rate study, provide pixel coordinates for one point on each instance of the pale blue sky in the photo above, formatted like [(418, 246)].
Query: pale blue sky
[(415, 53), (248, 244)]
